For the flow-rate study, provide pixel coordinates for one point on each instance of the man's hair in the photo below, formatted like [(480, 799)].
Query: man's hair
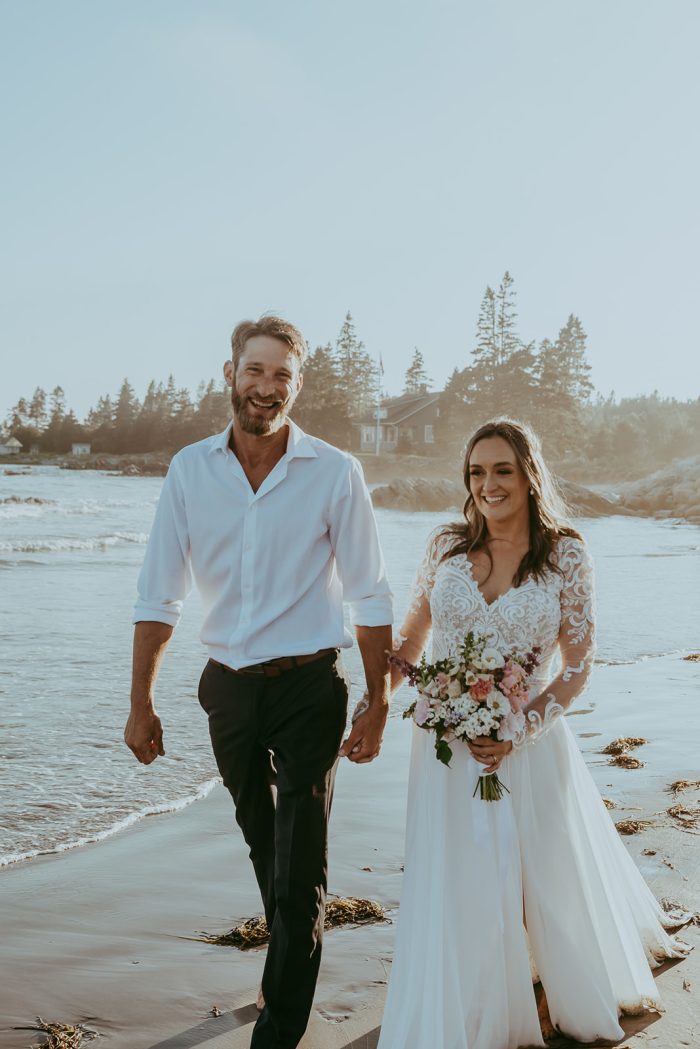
[(275, 328)]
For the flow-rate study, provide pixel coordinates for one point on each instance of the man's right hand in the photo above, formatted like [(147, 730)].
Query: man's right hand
[(143, 735)]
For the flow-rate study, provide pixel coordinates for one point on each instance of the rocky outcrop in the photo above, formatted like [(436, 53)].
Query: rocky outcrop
[(419, 493), (673, 491), (147, 465)]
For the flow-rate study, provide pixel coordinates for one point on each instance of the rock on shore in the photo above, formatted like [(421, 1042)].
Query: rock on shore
[(153, 464), (673, 491), (419, 493)]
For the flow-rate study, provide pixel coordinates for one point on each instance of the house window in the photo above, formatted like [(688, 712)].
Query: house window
[(367, 434), (428, 437)]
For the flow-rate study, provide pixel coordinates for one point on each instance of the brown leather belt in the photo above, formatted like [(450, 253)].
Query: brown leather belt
[(276, 667)]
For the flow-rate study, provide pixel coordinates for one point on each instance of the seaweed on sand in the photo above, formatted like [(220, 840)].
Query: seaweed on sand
[(343, 911), (626, 761), (678, 915), (621, 746), (63, 1036), (694, 657), (633, 826), (683, 784), (685, 815), (609, 803)]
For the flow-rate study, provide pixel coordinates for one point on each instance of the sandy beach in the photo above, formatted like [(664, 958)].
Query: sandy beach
[(107, 934)]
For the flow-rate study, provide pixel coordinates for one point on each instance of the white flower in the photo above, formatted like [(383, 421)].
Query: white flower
[(497, 703), (489, 659), (454, 689), (469, 677)]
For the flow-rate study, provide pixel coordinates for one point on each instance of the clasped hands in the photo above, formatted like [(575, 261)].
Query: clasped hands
[(489, 752)]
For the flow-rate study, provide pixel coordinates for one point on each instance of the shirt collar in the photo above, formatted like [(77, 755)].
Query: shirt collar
[(299, 444)]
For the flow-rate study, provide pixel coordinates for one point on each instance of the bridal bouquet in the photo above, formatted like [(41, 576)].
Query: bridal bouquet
[(479, 691)]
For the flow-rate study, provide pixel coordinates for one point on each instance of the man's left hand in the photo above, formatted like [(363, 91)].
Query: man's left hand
[(365, 739)]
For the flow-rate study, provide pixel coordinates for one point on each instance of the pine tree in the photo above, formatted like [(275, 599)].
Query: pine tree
[(100, 425), (507, 341), (358, 375), (58, 403), (20, 425), (323, 407), (486, 351), (37, 409), (571, 345), (52, 440), (213, 409), (125, 413), (416, 380), (501, 379), (563, 388), (18, 416)]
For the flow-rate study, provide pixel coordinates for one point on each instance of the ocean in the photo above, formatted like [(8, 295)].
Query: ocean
[(71, 545)]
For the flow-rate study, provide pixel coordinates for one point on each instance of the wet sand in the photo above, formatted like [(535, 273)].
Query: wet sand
[(106, 934)]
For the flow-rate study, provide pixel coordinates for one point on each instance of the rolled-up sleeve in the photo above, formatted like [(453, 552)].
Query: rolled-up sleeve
[(358, 555), (166, 577)]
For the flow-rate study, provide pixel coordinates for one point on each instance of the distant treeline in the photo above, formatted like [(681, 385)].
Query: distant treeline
[(547, 385)]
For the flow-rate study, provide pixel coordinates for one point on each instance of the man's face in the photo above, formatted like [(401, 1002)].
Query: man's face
[(264, 386)]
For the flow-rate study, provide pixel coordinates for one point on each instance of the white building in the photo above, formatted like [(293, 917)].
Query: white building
[(9, 445), (81, 448)]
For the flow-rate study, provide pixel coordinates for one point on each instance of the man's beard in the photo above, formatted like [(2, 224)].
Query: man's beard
[(258, 425)]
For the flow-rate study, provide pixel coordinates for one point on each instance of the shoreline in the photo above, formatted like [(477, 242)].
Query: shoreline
[(105, 934), (399, 482)]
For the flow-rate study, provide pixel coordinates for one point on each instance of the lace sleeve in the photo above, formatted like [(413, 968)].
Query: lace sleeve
[(413, 635), (576, 640)]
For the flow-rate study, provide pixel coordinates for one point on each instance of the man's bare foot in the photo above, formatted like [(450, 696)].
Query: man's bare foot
[(260, 1003)]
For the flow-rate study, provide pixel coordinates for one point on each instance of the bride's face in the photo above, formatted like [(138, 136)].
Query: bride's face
[(496, 481)]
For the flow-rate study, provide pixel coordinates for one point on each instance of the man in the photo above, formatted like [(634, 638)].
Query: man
[(277, 529)]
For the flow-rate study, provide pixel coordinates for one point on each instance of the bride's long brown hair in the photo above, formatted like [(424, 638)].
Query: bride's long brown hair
[(548, 513)]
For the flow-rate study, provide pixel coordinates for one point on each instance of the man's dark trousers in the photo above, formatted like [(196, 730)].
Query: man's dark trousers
[(282, 732)]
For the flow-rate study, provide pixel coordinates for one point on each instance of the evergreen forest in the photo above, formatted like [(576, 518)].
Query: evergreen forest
[(547, 384)]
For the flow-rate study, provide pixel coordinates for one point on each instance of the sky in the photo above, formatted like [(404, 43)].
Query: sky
[(175, 166)]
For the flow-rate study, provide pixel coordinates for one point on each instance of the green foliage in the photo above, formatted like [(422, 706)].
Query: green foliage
[(443, 751), (584, 439), (357, 374), (416, 380), (324, 407)]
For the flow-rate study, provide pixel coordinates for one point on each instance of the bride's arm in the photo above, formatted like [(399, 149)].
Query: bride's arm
[(412, 638), (576, 641)]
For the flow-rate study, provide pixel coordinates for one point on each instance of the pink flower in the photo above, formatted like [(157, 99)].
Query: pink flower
[(481, 689), (443, 681), (518, 698), (422, 712), (509, 682)]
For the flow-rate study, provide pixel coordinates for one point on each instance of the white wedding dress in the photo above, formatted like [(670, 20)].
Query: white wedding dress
[(536, 885)]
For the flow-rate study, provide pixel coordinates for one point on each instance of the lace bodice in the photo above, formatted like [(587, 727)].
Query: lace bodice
[(556, 613)]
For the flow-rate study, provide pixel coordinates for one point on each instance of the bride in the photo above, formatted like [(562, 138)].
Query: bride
[(536, 886)]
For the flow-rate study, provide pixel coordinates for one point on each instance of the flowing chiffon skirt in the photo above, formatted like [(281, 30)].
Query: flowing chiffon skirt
[(495, 894)]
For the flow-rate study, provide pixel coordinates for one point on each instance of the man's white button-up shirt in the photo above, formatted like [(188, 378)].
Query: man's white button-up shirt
[(274, 566)]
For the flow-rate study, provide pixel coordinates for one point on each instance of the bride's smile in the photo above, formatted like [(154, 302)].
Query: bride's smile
[(497, 483)]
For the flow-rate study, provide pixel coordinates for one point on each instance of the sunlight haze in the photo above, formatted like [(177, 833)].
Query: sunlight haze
[(173, 167)]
